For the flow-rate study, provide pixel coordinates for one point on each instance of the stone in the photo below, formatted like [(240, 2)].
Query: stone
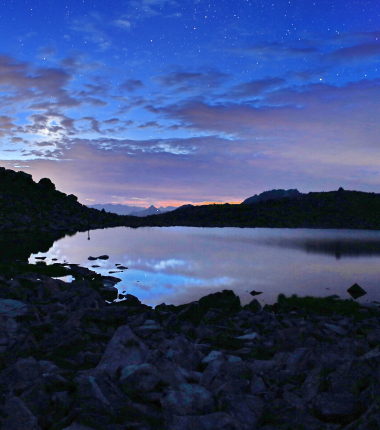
[(169, 372), (183, 353), (76, 426), (13, 308), (68, 359), (255, 293), (342, 408), (257, 385), (124, 349), (187, 399), (233, 387), (245, 408), (214, 421), (374, 336), (356, 291), (21, 375), (253, 306), (336, 329), (214, 355), (138, 378), (191, 313), (226, 301), (18, 416), (248, 336)]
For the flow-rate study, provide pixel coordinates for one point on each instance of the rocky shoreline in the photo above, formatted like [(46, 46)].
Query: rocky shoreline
[(69, 360)]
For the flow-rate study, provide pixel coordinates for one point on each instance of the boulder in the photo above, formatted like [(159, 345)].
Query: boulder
[(243, 407), (124, 349), (356, 291), (342, 408), (226, 301), (18, 416), (187, 399), (214, 421), (182, 352), (138, 378)]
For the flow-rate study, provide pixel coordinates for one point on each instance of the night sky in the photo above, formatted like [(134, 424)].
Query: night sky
[(169, 102)]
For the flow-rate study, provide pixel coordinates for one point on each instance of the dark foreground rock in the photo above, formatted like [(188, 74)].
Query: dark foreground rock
[(69, 360)]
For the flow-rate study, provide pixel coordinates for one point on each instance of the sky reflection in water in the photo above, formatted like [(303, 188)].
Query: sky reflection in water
[(182, 264)]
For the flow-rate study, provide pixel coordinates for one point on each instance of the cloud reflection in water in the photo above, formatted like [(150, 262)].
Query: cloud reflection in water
[(181, 264)]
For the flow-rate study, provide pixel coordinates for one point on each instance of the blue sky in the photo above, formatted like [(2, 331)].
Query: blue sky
[(166, 102)]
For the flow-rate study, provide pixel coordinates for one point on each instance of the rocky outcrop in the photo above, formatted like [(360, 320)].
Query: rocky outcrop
[(70, 360), (27, 206)]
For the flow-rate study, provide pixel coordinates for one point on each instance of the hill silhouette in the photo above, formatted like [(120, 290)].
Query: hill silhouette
[(272, 195), (332, 209), (27, 206)]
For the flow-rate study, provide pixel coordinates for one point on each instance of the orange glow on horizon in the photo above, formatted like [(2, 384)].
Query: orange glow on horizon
[(164, 203)]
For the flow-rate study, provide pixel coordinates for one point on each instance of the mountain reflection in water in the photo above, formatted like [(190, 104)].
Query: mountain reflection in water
[(337, 247), (182, 264)]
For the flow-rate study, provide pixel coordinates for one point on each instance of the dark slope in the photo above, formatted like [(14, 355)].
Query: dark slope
[(26, 205), (334, 209)]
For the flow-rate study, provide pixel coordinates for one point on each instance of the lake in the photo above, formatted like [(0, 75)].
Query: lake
[(177, 265)]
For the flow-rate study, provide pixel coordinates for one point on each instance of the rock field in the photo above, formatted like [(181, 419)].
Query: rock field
[(69, 360)]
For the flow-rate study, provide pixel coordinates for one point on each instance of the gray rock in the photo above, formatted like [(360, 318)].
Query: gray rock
[(97, 371), (18, 416), (233, 387), (245, 408), (139, 378), (293, 363), (169, 372), (21, 375), (124, 349), (214, 355), (187, 399), (248, 336), (312, 383), (257, 385), (336, 329), (183, 353), (215, 421), (191, 313), (14, 308), (340, 408), (76, 426)]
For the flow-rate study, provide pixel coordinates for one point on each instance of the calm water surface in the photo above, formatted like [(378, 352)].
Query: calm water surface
[(178, 265)]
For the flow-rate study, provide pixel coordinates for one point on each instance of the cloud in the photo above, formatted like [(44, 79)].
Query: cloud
[(47, 51), (22, 83), (6, 125), (77, 62), (150, 124), (149, 8), (308, 74), (112, 121), (131, 85), (188, 80), (254, 88), (89, 26), (122, 23), (276, 50), (356, 52)]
